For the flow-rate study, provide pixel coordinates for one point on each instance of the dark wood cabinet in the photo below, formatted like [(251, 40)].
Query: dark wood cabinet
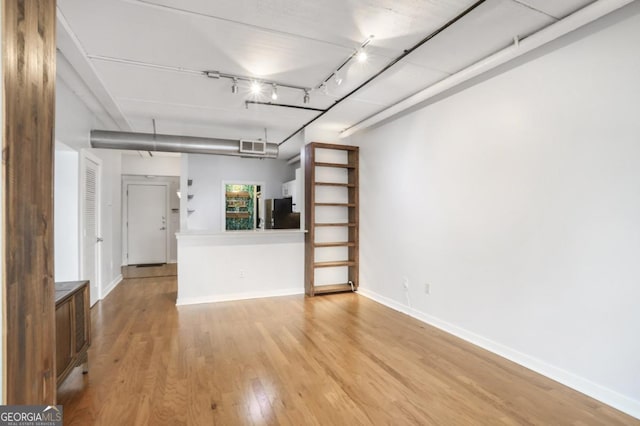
[(73, 327)]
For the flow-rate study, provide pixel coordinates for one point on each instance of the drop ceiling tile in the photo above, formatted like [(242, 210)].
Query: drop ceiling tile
[(486, 30)]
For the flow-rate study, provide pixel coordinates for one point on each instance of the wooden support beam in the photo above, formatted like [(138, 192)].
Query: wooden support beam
[(29, 75)]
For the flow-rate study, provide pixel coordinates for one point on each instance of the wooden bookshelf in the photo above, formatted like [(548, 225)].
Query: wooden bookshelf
[(314, 220)]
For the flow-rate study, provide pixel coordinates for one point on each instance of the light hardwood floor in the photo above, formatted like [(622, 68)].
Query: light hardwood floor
[(167, 269), (331, 360)]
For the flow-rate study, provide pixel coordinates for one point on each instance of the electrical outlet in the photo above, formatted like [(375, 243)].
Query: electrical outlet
[(405, 283), (427, 288), (241, 273)]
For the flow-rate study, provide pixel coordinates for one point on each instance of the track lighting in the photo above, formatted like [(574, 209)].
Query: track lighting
[(256, 88), (362, 56), (337, 77)]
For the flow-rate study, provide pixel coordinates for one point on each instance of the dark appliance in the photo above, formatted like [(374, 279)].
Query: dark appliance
[(279, 214)]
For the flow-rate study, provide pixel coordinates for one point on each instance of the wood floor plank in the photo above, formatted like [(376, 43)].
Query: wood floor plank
[(338, 359)]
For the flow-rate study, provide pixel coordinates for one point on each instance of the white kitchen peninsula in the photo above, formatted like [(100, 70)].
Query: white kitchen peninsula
[(235, 265)]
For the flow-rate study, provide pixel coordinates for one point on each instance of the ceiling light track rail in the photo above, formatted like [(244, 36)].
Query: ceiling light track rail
[(354, 54), (235, 78), (247, 103), (256, 84), (404, 54)]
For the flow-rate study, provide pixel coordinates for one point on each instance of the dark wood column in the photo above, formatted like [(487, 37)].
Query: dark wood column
[(29, 75)]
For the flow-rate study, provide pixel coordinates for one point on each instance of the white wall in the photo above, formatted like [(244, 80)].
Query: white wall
[(133, 164), (66, 211), (518, 201), (209, 171), (74, 121)]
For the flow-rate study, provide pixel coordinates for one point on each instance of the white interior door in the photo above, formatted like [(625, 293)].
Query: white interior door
[(91, 226), (146, 224)]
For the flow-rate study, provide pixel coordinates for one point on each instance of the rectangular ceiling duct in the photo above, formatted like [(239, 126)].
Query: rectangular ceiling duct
[(182, 144), (253, 147)]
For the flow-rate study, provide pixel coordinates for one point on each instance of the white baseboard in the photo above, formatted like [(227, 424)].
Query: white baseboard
[(109, 288), (238, 296), (587, 387)]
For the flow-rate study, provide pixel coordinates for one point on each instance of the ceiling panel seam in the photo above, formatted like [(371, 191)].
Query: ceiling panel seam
[(424, 67), (172, 9), (528, 6)]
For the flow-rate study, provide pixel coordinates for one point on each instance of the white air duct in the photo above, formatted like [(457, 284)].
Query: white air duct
[(173, 143)]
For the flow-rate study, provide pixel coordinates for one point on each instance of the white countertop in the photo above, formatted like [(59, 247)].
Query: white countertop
[(231, 234)]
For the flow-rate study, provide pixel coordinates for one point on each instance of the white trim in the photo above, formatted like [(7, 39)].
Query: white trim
[(239, 296), (587, 387), (109, 288)]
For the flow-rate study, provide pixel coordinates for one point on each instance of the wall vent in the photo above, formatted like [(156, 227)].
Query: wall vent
[(253, 147)]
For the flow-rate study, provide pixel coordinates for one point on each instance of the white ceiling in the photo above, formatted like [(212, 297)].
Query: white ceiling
[(298, 42)]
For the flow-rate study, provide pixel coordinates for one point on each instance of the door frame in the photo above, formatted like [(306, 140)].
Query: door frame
[(84, 156), (125, 215)]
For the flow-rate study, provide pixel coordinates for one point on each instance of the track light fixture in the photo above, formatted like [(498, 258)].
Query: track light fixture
[(362, 56), (337, 77), (256, 88)]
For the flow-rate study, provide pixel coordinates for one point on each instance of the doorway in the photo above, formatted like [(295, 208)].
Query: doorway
[(146, 223), (91, 173)]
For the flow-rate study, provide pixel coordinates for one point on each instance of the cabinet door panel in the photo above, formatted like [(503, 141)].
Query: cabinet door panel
[(63, 337), (80, 321)]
